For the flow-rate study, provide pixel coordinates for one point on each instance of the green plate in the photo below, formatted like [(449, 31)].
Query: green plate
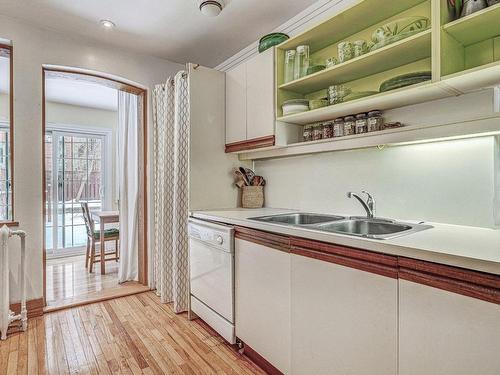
[(271, 40), (405, 80)]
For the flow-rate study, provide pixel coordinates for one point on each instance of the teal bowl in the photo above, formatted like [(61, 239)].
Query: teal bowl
[(271, 40)]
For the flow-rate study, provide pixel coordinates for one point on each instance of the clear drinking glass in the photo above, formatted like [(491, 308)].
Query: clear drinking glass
[(290, 65), (301, 61)]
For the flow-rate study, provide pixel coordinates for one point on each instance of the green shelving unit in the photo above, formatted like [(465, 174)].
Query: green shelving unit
[(463, 56)]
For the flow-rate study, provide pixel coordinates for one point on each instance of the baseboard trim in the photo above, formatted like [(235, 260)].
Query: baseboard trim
[(260, 361), (34, 307)]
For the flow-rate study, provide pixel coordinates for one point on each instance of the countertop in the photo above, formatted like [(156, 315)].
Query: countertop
[(461, 246)]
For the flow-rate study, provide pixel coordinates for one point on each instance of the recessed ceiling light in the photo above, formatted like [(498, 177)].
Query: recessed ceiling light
[(211, 8), (107, 24)]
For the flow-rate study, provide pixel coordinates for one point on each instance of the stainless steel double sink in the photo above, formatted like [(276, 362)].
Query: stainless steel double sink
[(375, 228)]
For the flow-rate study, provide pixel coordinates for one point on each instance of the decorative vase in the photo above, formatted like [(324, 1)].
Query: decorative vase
[(472, 6)]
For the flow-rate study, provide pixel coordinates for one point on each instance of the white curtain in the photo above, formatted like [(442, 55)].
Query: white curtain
[(128, 174), (170, 271)]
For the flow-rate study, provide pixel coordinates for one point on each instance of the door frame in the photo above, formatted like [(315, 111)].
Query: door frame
[(101, 78)]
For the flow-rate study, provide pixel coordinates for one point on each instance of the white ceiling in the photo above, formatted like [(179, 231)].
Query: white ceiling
[(80, 93), (171, 29)]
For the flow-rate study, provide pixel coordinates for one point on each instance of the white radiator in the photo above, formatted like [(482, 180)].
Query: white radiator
[(6, 315)]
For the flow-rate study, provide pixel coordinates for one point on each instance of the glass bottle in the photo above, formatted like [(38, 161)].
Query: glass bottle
[(349, 125), (375, 121), (290, 65), (328, 130), (301, 61), (308, 133), (361, 123), (318, 132), (338, 127)]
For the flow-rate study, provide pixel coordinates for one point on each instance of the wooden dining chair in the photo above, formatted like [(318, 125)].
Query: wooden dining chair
[(94, 236)]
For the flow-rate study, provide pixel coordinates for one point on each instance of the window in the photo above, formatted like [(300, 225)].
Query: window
[(6, 105)]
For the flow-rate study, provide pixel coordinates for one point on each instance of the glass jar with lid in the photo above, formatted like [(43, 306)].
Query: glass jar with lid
[(361, 123), (349, 125), (338, 127), (375, 121), (308, 133), (318, 132), (328, 130)]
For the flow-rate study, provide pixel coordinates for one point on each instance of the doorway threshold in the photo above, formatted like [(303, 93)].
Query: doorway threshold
[(121, 290)]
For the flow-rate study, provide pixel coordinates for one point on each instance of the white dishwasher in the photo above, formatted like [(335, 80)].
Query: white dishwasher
[(211, 265)]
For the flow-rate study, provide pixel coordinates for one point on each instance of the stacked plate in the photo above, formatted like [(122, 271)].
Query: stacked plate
[(405, 80), (295, 106)]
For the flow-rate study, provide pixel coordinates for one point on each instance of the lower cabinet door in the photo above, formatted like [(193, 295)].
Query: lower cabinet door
[(344, 321), (443, 333), (263, 301)]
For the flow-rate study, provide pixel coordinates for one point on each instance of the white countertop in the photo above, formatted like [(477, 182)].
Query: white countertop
[(460, 246)]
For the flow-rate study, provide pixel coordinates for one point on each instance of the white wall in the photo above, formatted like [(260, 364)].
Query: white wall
[(449, 182), (34, 47)]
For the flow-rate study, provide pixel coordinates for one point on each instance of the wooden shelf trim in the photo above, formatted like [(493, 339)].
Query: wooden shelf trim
[(380, 264), (469, 283), (474, 284), (251, 144), (274, 241)]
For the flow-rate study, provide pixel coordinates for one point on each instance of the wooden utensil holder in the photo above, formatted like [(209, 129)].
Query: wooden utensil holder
[(252, 196)]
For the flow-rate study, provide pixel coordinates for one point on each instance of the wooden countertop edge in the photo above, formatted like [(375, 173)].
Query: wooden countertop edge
[(474, 284)]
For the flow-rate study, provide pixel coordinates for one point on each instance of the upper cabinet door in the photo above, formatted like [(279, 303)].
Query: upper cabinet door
[(236, 104), (260, 95)]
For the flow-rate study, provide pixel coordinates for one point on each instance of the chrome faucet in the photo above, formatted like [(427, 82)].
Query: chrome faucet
[(368, 205)]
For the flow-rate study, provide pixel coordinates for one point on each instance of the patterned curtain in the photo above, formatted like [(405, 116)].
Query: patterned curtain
[(170, 271)]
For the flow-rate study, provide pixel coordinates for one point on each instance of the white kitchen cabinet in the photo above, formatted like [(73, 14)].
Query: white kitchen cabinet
[(236, 104), (262, 301), (250, 101), (343, 320), (443, 333), (260, 95)]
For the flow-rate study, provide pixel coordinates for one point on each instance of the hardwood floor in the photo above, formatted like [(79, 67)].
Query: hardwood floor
[(128, 335), (69, 283)]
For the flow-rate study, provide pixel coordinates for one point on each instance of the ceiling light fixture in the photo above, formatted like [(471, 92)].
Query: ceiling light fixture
[(211, 8), (107, 24)]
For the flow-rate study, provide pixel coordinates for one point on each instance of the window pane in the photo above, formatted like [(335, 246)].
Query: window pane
[(5, 167)]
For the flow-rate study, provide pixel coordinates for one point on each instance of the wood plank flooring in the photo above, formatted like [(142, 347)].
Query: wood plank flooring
[(69, 283), (130, 335)]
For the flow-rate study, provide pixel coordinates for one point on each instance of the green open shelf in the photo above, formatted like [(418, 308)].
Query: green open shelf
[(414, 48), (476, 27)]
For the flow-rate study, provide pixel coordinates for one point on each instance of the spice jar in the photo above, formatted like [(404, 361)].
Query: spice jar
[(338, 127), (328, 130), (318, 132), (308, 133), (349, 125), (361, 123), (375, 121)]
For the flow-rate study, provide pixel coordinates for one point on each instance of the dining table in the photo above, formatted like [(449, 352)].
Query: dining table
[(104, 217)]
